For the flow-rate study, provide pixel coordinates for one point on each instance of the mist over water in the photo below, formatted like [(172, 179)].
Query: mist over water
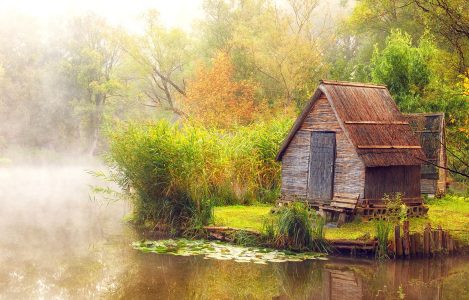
[(51, 225)]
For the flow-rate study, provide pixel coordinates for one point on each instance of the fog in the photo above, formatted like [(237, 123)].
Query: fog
[(54, 233)]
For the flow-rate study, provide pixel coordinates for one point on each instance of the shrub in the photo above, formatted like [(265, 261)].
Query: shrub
[(295, 226), (383, 229), (396, 210), (176, 174), (298, 229)]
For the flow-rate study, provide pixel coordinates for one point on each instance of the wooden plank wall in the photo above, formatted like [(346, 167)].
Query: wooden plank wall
[(389, 180), (295, 164), (349, 176), (428, 186)]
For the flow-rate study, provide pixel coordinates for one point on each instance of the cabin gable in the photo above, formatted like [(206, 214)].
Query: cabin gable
[(349, 174)]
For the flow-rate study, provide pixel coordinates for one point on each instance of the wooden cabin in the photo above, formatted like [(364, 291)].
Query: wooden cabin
[(430, 129), (349, 147)]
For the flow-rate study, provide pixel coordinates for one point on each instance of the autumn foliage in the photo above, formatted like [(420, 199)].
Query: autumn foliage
[(215, 98)]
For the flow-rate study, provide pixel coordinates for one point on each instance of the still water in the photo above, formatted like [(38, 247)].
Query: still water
[(57, 242)]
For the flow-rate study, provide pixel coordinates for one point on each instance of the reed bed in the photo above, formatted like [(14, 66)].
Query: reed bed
[(176, 174)]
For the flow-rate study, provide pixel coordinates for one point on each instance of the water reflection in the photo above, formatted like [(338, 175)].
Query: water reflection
[(56, 243)]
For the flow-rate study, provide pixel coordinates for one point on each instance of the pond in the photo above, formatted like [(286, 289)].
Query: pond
[(57, 242)]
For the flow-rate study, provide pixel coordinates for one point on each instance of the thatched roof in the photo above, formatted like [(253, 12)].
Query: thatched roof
[(371, 120)]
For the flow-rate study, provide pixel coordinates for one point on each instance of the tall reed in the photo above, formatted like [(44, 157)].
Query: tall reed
[(175, 174), (382, 228)]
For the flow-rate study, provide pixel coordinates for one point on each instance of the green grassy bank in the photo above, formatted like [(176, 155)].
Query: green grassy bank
[(451, 212)]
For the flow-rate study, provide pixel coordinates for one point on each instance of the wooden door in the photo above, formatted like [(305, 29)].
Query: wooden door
[(321, 166)]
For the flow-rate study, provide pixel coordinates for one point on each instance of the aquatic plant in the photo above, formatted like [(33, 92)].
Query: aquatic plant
[(382, 228), (269, 231), (245, 238), (300, 229), (295, 226), (319, 242), (222, 251)]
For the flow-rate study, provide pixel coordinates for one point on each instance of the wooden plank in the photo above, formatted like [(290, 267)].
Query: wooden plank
[(330, 208), (388, 147), (345, 200), (378, 122), (347, 195), (343, 205)]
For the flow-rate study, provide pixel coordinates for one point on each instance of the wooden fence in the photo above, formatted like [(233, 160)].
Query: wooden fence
[(429, 243)]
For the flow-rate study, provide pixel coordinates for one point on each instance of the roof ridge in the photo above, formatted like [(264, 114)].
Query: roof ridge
[(350, 83)]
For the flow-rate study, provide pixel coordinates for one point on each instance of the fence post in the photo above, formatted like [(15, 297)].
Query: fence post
[(426, 239), (439, 245), (397, 241), (406, 239)]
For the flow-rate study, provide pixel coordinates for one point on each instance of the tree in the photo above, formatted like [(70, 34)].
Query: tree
[(276, 45), (215, 98), (161, 58), (449, 20), (33, 109), (446, 20), (90, 62), (403, 68)]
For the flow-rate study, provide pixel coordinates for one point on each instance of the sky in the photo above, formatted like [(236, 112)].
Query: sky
[(126, 13)]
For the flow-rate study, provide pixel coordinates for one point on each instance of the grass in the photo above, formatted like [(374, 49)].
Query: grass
[(451, 212), (243, 217)]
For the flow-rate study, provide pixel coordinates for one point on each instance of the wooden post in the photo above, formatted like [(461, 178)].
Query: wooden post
[(439, 245), (397, 241), (342, 219), (444, 242), (406, 238), (418, 244), (426, 240), (413, 245), (450, 244), (434, 242)]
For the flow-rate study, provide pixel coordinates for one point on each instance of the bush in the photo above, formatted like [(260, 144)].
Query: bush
[(298, 229), (176, 174), (396, 210)]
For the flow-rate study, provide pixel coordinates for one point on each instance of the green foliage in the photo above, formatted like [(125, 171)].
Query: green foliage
[(245, 238), (269, 231), (382, 230), (396, 210), (451, 212), (299, 229), (295, 226), (403, 68), (177, 174)]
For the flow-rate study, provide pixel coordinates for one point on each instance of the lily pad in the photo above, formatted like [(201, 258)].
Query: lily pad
[(223, 251)]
